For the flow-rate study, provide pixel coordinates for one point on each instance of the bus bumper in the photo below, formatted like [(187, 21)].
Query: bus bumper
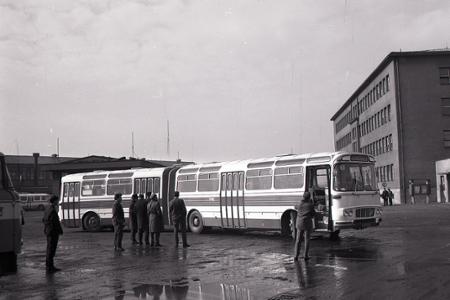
[(358, 224)]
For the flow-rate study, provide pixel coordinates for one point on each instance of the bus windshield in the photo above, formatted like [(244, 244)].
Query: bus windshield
[(354, 177)]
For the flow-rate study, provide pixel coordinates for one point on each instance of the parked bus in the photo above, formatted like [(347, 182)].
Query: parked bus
[(87, 198), (34, 201), (247, 194), (10, 222)]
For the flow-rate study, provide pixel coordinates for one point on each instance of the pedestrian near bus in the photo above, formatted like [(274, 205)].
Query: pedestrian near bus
[(118, 220), (390, 196), (178, 212), (304, 225), (155, 220), (142, 219), (52, 229), (132, 218), (385, 196)]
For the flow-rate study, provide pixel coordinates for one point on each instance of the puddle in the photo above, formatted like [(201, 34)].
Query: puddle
[(182, 288)]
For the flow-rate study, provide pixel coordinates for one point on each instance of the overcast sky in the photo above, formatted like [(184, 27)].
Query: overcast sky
[(235, 79)]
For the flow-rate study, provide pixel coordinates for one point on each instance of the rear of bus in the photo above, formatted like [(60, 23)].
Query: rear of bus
[(355, 196), (10, 222)]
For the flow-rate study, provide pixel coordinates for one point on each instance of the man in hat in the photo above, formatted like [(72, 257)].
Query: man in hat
[(142, 219), (304, 224), (178, 213), (118, 220), (52, 229)]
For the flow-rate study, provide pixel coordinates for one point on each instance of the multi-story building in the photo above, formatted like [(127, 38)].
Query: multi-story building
[(401, 115)]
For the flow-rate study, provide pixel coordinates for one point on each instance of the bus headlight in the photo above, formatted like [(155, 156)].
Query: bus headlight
[(378, 211), (348, 213)]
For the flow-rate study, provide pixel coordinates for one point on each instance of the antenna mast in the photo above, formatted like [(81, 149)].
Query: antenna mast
[(132, 144)]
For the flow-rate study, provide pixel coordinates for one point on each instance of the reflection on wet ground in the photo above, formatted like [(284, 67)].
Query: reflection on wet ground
[(392, 261)]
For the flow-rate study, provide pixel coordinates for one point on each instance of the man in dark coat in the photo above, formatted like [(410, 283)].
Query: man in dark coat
[(385, 196), (142, 219), (178, 213), (304, 224), (52, 229), (132, 218), (390, 196), (118, 220), (155, 220)]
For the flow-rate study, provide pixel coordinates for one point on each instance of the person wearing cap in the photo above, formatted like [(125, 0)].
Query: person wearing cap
[(142, 219), (178, 212), (118, 220), (154, 219), (132, 218), (52, 229), (304, 224)]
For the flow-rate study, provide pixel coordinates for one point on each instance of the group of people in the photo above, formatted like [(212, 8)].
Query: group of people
[(387, 196), (146, 219), (145, 216)]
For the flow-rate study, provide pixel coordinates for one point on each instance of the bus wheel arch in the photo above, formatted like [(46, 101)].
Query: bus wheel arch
[(288, 226), (91, 221), (195, 221)]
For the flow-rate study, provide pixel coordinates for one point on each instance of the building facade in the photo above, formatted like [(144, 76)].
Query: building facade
[(401, 115)]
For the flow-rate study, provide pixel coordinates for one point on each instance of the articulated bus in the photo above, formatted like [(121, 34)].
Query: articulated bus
[(10, 222), (247, 194)]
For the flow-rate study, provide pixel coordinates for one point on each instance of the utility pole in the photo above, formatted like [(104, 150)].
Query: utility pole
[(132, 144), (168, 139), (57, 146)]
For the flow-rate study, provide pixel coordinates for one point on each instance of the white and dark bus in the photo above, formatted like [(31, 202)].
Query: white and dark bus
[(247, 194)]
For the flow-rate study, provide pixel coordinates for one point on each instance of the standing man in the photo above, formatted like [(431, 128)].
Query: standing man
[(52, 229), (118, 220), (390, 196), (155, 220), (142, 219), (178, 213), (304, 224), (385, 196), (132, 218)]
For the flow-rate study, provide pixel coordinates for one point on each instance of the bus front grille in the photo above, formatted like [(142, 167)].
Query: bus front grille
[(365, 212)]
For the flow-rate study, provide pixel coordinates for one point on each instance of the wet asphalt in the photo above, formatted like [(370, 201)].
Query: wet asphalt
[(407, 257)]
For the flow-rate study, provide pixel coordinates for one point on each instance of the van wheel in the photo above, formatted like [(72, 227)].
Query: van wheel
[(334, 236), (8, 263), (195, 222), (41, 207), (91, 222)]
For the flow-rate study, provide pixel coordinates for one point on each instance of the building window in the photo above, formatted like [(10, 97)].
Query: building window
[(387, 83), (444, 75), (446, 137), (445, 106)]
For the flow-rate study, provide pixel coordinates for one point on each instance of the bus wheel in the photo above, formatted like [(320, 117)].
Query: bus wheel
[(288, 227), (91, 222), (41, 207), (334, 236), (195, 222)]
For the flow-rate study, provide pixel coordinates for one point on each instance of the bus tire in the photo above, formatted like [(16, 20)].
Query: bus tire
[(41, 207), (288, 226), (195, 222), (334, 236), (91, 222)]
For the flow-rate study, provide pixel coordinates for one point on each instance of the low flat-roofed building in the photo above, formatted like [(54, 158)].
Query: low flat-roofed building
[(443, 180), (401, 115), (42, 174)]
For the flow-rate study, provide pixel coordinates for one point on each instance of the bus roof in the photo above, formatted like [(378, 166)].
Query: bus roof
[(310, 158), (135, 172)]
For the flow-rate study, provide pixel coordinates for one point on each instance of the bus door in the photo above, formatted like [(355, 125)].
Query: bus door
[(71, 204), (232, 203), (318, 184)]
